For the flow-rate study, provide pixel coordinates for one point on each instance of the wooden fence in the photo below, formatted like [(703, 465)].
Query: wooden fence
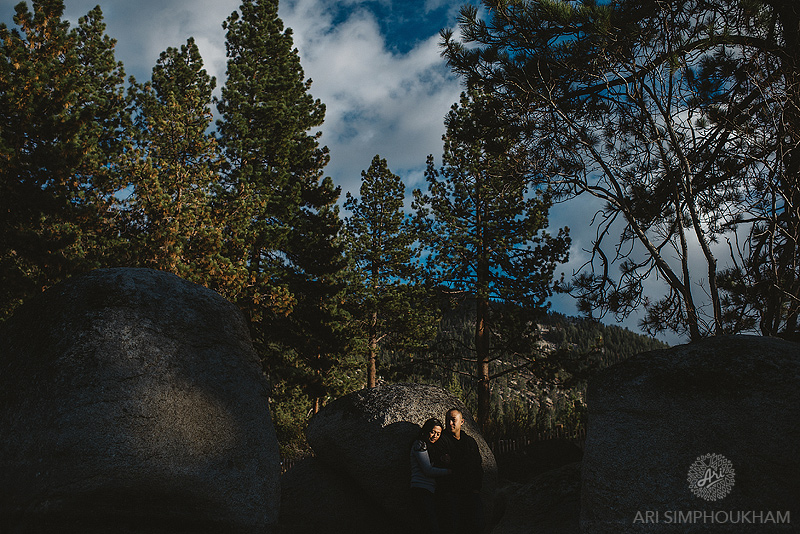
[(505, 446), (501, 446), (288, 463)]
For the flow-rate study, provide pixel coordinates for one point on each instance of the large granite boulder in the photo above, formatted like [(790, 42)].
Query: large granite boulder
[(548, 504), (133, 401), (366, 436), (315, 499), (660, 423)]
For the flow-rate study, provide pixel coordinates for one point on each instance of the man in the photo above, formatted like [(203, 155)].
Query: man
[(458, 495)]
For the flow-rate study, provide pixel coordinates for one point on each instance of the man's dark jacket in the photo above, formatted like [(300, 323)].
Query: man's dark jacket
[(464, 460)]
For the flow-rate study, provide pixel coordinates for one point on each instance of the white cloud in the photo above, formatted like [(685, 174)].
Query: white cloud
[(378, 101), (145, 28)]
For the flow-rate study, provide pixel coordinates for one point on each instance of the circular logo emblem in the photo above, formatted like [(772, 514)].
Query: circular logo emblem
[(711, 477)]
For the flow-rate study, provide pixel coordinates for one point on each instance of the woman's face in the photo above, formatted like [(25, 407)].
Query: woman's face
[(434, 434)]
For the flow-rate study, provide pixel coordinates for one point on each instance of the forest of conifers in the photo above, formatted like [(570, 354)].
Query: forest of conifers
[(681, 118)]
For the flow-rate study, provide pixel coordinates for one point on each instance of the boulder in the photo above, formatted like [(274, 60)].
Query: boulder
[(367, 435), (548, 504), (660, 422), (133, 401), (315, 499)]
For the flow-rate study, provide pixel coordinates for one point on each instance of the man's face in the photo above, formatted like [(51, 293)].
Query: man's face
[(454, 421)]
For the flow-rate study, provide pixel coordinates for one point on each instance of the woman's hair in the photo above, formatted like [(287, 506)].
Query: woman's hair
[(427, 427)]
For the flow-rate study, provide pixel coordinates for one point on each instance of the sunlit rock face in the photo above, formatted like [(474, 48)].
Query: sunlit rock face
[(690, 438), (132, 401)]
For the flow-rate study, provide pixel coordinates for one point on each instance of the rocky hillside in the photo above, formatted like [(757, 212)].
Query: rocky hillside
[(558, 355)]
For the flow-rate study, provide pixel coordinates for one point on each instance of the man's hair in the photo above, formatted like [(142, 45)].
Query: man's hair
[(454, 410)]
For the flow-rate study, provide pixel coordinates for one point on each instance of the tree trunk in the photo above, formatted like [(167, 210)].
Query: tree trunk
[(686, 292), (482, 351), (482, 309), (789, 265), (372, 371)]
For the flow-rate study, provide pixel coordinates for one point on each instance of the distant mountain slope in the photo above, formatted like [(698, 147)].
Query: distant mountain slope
[(549, 392), (582, 335)]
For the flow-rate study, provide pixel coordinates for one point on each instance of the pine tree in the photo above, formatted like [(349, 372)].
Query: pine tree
[(483, 229), (762, 107), (681, 118), (62, 106), (283, 223), (380, 243), (172, 222)]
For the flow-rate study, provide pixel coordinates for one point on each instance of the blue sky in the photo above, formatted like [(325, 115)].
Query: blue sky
[(376, 65)]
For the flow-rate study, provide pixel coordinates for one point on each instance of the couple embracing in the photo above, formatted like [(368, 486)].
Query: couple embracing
[(446, 477)]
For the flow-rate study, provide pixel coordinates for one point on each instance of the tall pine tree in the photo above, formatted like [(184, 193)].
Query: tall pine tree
[(172, 223), (380, 242), (483, 230), (62, 106), (284, 222)]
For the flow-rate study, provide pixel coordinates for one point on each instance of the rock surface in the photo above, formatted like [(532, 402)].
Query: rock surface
[(366, 436), (653, 416), (316, 499), (133, 401), (549, 504)]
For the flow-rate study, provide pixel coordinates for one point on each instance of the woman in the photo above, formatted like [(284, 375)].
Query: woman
[(423, 475)]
